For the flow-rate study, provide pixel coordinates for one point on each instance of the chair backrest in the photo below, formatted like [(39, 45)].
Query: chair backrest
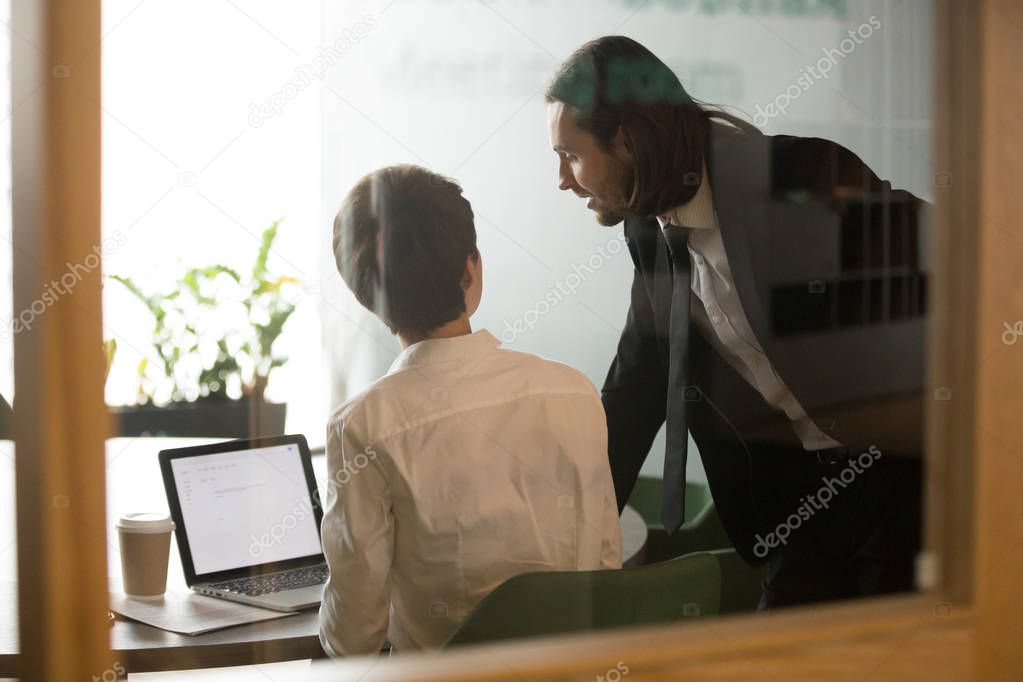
[(536, 604), (741, 584)]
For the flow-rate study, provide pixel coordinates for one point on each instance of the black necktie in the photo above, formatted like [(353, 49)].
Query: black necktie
[(673, 487)]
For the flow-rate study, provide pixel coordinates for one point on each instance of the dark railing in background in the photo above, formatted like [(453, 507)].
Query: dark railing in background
[(6, 420)]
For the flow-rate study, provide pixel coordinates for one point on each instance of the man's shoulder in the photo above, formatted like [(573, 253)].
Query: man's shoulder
[(795, 148), (819, 165), (787, 151)]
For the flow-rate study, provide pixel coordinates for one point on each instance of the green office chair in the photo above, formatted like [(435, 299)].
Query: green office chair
[(646, 499), (537, 604), (702, 530), (741, 584)]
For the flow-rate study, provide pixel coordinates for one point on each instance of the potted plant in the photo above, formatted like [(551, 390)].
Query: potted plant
[(213, 337)]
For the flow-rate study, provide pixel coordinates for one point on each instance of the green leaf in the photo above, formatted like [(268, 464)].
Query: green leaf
[(274, 286), (269, 332), (213, 270), (152, 303), (110, 349), (259, 268)]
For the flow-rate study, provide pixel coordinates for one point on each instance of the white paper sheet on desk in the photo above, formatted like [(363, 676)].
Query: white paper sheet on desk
[(190, 613)]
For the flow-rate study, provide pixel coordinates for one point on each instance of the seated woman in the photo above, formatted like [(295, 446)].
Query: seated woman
[(466, 464)]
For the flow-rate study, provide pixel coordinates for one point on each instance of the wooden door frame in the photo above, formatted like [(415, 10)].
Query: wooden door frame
[(60, 414)]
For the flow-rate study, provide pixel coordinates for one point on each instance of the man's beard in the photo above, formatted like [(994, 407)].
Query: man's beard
[(609, 217), (612, 211)]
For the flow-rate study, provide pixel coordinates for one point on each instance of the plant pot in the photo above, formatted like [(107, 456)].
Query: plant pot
[(242, 418)]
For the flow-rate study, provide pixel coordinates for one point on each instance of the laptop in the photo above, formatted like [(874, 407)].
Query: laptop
[(247, 521)]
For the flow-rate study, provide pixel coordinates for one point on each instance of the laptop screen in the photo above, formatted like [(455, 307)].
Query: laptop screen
[(245, 508)]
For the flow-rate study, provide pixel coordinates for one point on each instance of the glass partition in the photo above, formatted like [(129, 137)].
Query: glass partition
[(232, 135), (811, 343)]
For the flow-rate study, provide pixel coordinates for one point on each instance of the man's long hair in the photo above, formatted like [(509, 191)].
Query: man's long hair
[(614, 81)]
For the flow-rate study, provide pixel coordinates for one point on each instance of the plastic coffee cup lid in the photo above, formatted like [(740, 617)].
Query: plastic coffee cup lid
[(145, 522)]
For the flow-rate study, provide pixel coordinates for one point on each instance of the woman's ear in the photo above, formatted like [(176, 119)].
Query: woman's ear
[(472, 271), (472, 282)]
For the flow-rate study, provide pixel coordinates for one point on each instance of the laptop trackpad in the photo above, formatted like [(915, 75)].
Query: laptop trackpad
[(294, 600)]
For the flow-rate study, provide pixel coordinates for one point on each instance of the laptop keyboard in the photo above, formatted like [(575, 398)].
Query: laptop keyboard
[(275, 582)]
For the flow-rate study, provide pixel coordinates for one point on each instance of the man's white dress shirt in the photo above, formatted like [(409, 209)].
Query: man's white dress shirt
[(720, 315), (467, 464)]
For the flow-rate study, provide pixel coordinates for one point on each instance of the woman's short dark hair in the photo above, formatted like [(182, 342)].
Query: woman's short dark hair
[(614, 81), (401, 240)]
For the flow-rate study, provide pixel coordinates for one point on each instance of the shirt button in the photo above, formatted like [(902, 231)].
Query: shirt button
[(716, 318), (699, 260)]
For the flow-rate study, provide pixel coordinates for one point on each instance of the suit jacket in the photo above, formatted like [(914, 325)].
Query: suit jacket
[(826, 260)]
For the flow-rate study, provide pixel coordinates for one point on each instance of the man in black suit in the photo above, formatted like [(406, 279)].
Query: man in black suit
[(776, 315)]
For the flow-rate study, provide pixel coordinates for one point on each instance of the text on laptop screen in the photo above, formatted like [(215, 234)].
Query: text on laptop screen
[(246, 508)]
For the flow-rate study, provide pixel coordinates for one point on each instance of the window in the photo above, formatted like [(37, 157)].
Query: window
[(192, 177)]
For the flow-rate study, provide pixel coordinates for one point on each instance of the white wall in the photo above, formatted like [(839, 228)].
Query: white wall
[(457, 87), (191, 177)]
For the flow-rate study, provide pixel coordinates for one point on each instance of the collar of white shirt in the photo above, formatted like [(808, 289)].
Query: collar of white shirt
[(431, 351), (698, 212)]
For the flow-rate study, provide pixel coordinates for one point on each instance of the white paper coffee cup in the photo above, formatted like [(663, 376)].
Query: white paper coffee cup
[(145, 549)]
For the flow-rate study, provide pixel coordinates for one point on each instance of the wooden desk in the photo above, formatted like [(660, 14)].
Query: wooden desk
[(134, 484)]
